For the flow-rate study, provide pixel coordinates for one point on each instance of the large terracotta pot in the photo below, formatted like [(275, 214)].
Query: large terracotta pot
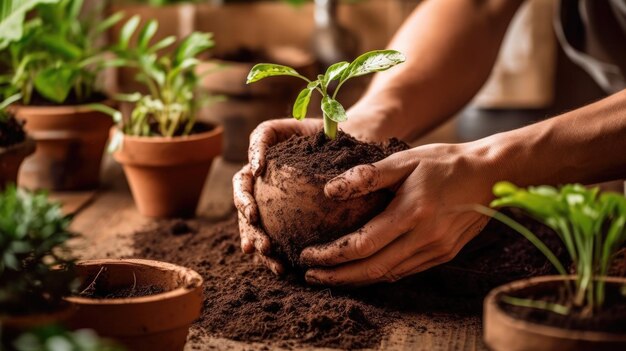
[(295, 213), (503, 331), (70, 144), (157, 322), (166, 175), (11, 158)]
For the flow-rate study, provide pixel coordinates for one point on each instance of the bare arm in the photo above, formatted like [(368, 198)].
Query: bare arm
[(451, 46)]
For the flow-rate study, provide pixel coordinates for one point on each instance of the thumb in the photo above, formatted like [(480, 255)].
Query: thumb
[(365, 179)]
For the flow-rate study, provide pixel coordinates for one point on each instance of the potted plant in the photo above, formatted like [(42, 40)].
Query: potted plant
[(142, 304), (583, 311), (15, 146), (290, 192), (54, 338), (35, 265), (166, 153), (54, 64)]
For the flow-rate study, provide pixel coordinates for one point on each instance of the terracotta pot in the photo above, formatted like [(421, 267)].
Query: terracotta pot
[(166, 175), (11, 158), (503, 331), (151, 323), (295, 213), (70, 144)]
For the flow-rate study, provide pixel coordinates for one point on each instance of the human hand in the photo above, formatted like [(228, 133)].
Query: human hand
[(422, 227)]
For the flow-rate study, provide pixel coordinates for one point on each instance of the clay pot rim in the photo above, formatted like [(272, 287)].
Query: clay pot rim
[(491, 305), (27, 146), (217, 130), (194, 277), (54, 110)]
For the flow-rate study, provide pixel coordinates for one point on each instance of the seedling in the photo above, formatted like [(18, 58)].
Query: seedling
[(169, 109), (35, 264), (54, 53), (333, 111), (591, 226)]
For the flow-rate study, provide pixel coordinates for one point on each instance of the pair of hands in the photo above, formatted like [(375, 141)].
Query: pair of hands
[(423, 226)]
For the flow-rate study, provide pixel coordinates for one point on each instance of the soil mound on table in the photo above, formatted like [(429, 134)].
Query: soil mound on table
[(244, 301)]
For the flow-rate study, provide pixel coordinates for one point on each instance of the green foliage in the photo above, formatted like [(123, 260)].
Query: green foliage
[(55, 338), (590, 224), (333, 111), (33, 233), (172, 103), (54, 53), (12, 14)]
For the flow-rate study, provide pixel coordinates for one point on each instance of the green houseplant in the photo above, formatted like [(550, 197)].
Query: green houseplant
[(36, 269), (15, 146), (566, 312), (165, 151), (53, 61), (298, 168)]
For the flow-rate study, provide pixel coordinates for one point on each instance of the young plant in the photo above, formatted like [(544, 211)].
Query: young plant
[(54, 53), (169, 109), (590, 224), (333, 111), (35, 265)]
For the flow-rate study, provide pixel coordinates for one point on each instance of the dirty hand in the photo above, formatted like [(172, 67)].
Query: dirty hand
[(253, 238), (424, 225)]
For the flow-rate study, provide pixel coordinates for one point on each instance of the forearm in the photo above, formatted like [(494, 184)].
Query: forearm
[(587, 145), (450, 46)]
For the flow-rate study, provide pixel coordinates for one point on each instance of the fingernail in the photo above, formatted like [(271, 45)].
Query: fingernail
[(245, 246), (312, 279)]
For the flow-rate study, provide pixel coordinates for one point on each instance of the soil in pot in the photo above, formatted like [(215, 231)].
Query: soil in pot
[(290, 193), (610, 319), (96, 287)]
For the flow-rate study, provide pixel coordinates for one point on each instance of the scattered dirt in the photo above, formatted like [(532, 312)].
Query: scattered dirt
[(11, 131), (244, 301)]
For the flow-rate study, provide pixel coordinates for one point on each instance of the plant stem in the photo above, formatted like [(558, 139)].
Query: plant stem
[(330, 128)]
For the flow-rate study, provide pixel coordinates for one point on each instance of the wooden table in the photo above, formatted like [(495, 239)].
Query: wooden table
[(108, 218)]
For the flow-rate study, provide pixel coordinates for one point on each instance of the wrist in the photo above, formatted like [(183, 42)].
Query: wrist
[(374, 119)]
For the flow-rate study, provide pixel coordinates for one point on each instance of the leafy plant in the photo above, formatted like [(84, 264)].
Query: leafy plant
[(55, 338), (590, 224), (11, 130), (54, 53), (35, 267), (333, 111), (12, 14), (169, 109)]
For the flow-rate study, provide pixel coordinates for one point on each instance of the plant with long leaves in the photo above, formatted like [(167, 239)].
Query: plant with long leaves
[(35, 263), (590, 224), (54, 54), (170, 107), (333, 111)]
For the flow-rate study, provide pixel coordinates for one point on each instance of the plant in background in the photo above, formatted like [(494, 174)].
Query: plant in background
[(35, 265), (55, 338), (590, 224), (169, 109), (54, 54), (11, 130), (333, 111)]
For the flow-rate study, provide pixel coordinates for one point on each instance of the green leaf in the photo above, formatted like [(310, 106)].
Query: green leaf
[(61, 46), (162, 44), (115, 114), (55, 83), (127, 31), (333, 109), (8, 101), (108, 22), (373, 61), (301, 104), (334, 72), (146, 33), (12, 14), (264, 70), (191, 46)]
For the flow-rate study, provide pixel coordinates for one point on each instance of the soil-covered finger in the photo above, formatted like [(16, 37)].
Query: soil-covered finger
[(245, 229), (243, 188)]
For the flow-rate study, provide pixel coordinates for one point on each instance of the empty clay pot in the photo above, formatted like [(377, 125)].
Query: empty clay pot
[(166, 175), (295, 213), (157, 322), (11, 158), (503, 331), (70, 144)]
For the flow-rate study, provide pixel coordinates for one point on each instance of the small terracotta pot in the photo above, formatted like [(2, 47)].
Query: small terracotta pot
[(503, 331), (151, 323), (70, 144), (11, 158), (166, 175), (294, 205)]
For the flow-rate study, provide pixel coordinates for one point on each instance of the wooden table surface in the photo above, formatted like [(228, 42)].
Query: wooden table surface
[(108, 218)]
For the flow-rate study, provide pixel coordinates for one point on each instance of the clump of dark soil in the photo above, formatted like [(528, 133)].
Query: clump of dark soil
[(97, 286), (11, 130), (316, 155), (244, 301)]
